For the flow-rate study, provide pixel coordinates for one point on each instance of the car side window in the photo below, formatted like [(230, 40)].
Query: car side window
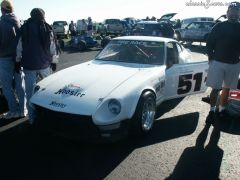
[(172, 54)]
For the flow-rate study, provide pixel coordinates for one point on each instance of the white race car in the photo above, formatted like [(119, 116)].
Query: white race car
[(119, 90)]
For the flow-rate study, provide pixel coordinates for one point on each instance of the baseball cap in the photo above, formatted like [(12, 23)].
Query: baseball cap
[(7, 5), (234, 5)]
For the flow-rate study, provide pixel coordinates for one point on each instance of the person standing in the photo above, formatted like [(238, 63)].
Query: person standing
[(223, 49), (9, 29), (83, 27), (72, 29), (35, 51), (90, 27)]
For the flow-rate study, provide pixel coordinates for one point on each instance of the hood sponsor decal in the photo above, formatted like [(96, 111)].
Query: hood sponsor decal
[(56, 104), (71, 90)]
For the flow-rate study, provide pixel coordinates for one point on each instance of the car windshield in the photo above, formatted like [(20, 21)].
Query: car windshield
[(133, 51)]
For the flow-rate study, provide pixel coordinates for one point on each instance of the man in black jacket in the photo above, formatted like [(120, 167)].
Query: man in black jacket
[(36, 50), (223, 48)]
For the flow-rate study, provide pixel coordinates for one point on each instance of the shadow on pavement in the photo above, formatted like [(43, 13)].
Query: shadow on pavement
[(31, 155), (3, 105), (167, 106), (200, 162), (230, 125)]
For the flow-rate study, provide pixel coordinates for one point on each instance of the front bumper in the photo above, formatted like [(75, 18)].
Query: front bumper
[(78, 126)]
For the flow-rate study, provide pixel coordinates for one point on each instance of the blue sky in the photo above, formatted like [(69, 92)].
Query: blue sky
[(101, 9)]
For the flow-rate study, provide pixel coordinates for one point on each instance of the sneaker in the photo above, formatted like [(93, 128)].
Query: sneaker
[(210, 118), (11, 115)]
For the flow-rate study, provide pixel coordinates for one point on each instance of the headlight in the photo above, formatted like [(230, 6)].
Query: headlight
[(36, 89), (114, 106)]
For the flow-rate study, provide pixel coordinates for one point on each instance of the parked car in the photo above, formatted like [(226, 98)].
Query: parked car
[(82, 42), (61, 28), (187, 21), (117, 93), (112, 27), (153, 28), (197, 31)]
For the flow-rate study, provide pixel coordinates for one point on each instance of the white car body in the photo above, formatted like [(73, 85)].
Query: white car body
[(86, 89)]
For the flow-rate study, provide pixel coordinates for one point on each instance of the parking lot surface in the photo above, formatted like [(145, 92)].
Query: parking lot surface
[(179, 147)]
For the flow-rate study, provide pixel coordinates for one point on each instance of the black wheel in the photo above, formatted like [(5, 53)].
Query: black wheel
[(144, 117), (82, 45)]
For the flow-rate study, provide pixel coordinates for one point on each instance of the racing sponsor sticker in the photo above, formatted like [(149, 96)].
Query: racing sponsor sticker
[(71, 90), (137, 42), (56, 104)]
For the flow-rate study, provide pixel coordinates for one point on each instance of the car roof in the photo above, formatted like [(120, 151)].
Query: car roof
[(145, 38), (203, 22)]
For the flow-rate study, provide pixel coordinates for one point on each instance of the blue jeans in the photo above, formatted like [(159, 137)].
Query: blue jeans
[(31, 79), (6, 79), (20, 90)]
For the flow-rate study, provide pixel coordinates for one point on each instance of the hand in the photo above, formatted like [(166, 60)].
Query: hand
[(53, 66), (17, 67)]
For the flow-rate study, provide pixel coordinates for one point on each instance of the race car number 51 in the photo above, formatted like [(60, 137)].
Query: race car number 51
[(185, 83)]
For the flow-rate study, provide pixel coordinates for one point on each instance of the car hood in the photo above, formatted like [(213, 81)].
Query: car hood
[(80, 89)]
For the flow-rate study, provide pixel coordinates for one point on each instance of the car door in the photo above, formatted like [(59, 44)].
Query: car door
[(185, 78)]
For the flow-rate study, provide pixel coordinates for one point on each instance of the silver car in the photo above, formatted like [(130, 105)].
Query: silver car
[(194, 32)]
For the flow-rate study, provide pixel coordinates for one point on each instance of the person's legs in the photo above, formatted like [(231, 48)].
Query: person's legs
[(30, 81), (20, 90), (31, 78), (230, 81), (6, 78), (214, 80), (224, 98), (44, 73), (213, 97)]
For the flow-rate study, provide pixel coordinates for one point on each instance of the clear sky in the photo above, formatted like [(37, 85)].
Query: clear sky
[(102, 9)]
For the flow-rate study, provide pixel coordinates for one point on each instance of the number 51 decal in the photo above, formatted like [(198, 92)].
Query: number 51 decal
[(185, 83)]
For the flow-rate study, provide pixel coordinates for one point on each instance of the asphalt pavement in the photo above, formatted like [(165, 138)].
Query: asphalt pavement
[(180, 146)]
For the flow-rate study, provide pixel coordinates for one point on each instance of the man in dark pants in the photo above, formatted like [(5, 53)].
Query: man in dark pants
[(223, 48)]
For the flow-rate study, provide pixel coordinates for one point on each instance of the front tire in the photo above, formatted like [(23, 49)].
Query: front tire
[(144, 116)]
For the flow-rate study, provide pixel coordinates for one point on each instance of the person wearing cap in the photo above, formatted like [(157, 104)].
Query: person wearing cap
[(223, 49), (36, 50), (9, 32)]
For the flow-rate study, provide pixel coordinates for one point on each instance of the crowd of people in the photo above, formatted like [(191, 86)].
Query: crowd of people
[(86, 28), (27, 55)]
